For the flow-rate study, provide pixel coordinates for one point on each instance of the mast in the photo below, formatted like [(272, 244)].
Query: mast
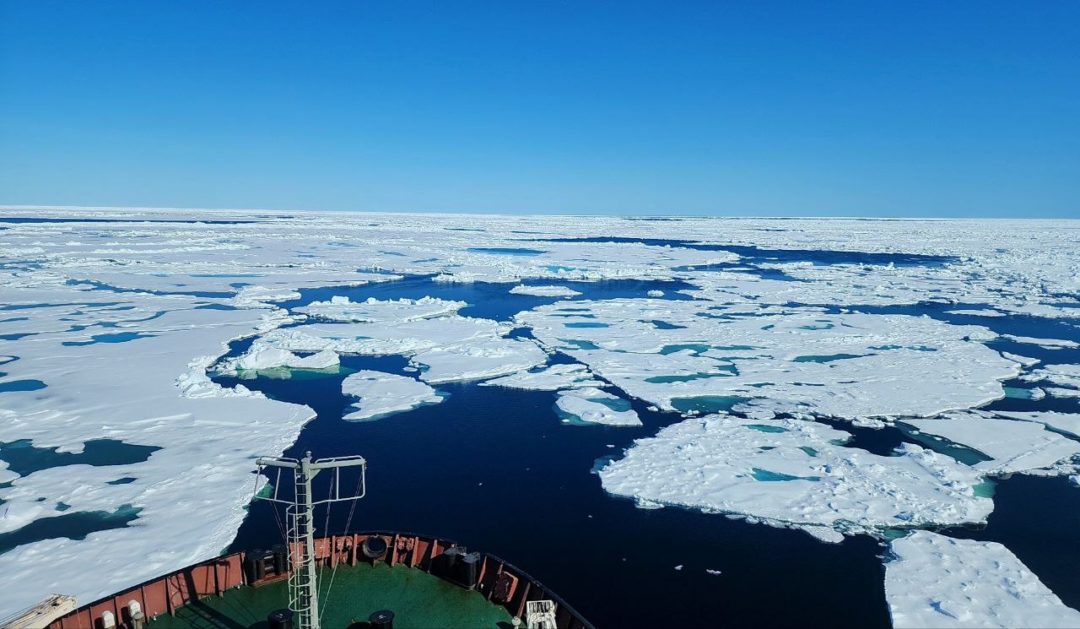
[(300, 533)]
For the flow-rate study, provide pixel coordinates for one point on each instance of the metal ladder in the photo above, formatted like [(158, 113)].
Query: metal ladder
[(299, 586)]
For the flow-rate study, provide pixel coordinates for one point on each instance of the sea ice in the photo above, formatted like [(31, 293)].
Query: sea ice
[(262, 355), (938, 581), (783, 359), (1014, 446), (793, 473), (382, 394), (340, 308), (595, 406), (544, 291), (550, 378)]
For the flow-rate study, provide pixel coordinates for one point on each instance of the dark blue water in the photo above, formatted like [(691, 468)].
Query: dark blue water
[(488, 300)]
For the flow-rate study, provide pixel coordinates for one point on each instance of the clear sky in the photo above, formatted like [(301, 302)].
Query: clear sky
[(898, 108)]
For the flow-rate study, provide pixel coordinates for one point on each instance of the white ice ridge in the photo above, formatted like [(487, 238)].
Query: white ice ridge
[(262, 355), (595, 406), (550, 378), (793, 473), (938, 581), (381, 394), (688, 355), (340, 308), (544, 291), (1014, 446)]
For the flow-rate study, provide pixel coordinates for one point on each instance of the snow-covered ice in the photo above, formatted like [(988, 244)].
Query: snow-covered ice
[(938, 581), (793, 473), (382, 394), (1014, 446), (544, 291), (596, 406)]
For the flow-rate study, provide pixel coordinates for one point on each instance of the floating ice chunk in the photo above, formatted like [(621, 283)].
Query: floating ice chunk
[(1067, 376), (383, 394), (340, 308), (1014, 446), (712, 572), (1046, 343), (262, 355), (6, 475), (595, 406), (1026, 361), (261, 296), (1064, 422), (551, 378), (1062, 392), (978, 313), (826, 534), (544, 291), (655, 293), (793, 473), (937, 581), (479, 359)]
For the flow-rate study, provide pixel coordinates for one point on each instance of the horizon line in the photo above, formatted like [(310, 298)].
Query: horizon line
[(511, 214)]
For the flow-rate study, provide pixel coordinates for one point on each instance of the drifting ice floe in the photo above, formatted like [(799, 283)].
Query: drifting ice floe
[(793, 473), (1014, 446), (937, 581), (785, 360), (544, 291), (595, 406), (382, 394), (262, 355), (551, 378), (342, 309)]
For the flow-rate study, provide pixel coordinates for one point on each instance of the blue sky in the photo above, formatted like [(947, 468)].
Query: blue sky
[(755, 108)]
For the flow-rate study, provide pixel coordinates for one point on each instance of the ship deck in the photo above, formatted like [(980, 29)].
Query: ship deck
[(418, 600)]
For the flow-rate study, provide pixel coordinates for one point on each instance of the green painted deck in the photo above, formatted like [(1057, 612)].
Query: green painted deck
[(418, 600)]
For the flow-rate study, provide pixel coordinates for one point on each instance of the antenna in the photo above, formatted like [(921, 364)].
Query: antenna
[(300, 514)]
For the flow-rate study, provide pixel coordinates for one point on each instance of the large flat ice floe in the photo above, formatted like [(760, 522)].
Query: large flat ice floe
[(683, 355), (937, 581), (381, 394), (1013, 446), (794, 473)]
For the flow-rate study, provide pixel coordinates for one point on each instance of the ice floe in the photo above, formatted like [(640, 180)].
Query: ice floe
[(550, 378), (340, 308), (262, 355), (596, 406), (938, 581), (1014, 446), (382, 394), (794, 473), (544, 291), (848, 365)]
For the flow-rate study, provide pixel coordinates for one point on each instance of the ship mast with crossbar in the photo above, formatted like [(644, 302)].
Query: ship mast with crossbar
[(300, 516)]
